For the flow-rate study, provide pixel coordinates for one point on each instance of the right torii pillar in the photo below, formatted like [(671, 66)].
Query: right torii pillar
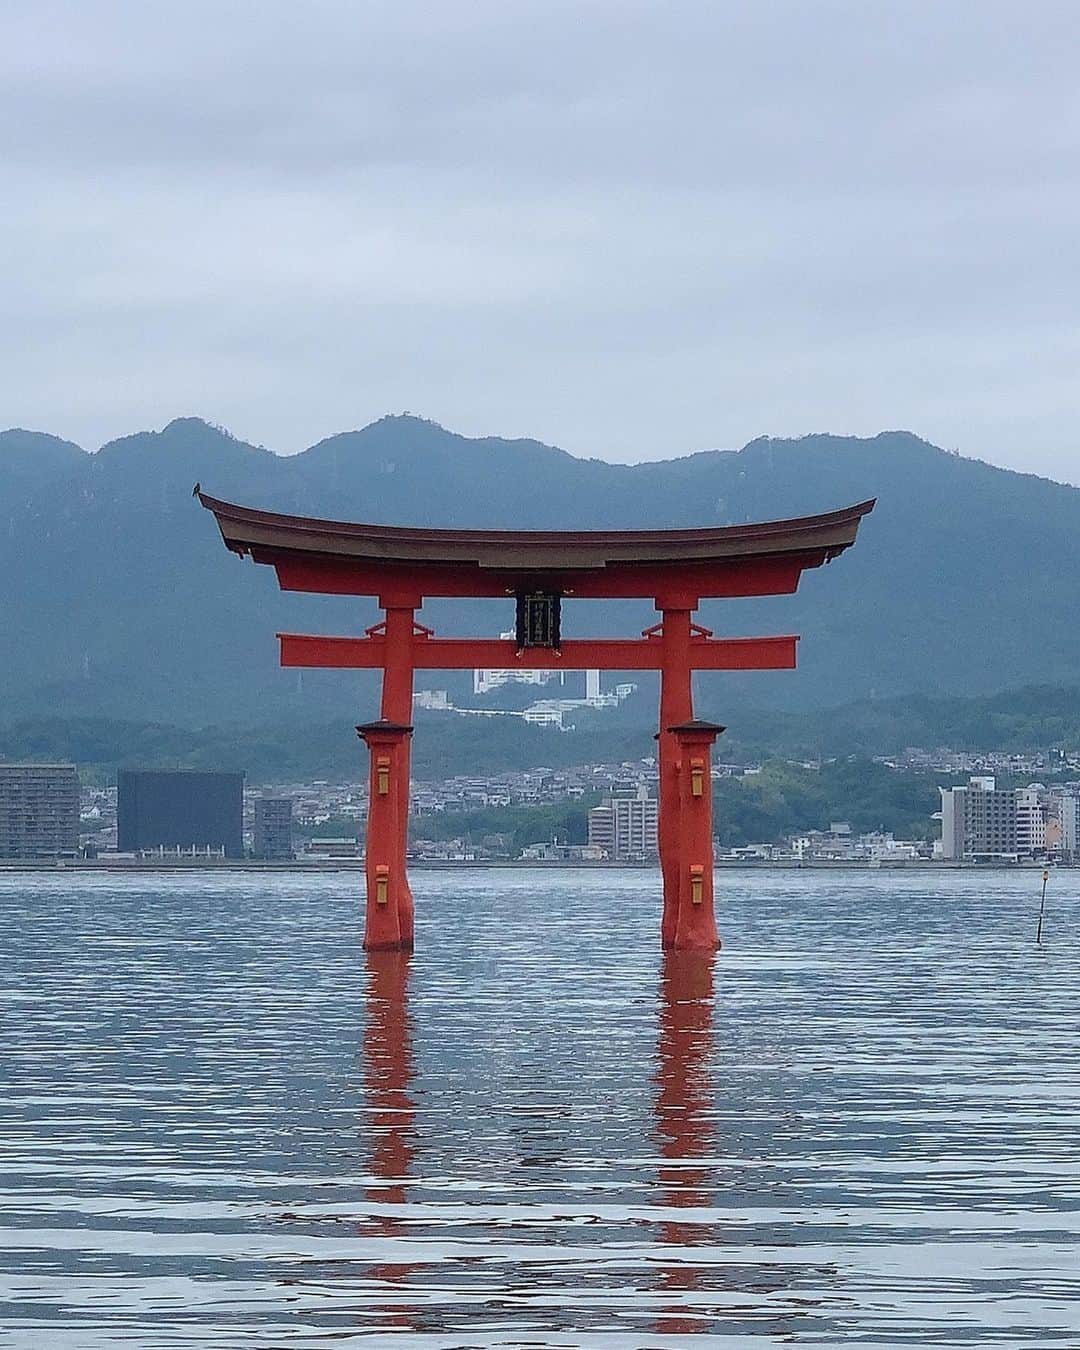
[(685, 832)]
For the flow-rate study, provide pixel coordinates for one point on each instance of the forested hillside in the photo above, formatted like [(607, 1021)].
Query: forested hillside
[(119, 600)]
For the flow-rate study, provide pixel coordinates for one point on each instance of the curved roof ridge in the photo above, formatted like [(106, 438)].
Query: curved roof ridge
[(245, 525)]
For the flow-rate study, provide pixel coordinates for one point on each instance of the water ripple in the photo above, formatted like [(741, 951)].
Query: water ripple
[(222, 1125)]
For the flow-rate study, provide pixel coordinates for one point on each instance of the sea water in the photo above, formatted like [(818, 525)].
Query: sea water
[(222, 1125)]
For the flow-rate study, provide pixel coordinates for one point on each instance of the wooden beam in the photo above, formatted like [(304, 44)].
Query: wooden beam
[(430, 653)]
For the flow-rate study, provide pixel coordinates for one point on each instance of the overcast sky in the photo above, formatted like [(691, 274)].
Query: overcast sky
[(633, 230)]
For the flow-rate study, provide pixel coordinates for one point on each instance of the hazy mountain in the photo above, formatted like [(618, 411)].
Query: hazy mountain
[(119, 598), (29, 459)]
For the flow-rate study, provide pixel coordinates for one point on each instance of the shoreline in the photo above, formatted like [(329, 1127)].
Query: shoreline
[(152, 865)]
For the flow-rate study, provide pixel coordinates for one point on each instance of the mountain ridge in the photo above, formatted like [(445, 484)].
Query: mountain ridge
[(9, 436), (119, 598)]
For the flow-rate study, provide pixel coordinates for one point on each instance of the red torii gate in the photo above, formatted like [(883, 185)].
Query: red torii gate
[(676, 569)]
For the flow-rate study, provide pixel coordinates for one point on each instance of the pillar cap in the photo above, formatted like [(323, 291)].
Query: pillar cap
[(699, 727), (385, 726)]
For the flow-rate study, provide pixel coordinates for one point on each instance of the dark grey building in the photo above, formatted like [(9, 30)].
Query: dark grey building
[(273, 828), (39, 810), (179, 809)]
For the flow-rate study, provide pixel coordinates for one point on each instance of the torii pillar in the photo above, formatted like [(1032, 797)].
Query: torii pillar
[(688, 899), (388, 921), (685, 808), (389, 916)]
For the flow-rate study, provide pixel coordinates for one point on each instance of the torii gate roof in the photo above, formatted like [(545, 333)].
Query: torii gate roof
[(566, 558)]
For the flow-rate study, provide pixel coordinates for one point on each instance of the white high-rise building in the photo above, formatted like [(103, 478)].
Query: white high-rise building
[(484, 680), (1069, 819), (626, 828), (1030, 820)]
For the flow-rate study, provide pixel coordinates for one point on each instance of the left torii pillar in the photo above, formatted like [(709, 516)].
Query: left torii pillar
[(690, 903), (389, 915)]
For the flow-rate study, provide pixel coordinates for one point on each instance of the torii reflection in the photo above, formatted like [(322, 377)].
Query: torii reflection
[(391, 1111), (684, 1109)]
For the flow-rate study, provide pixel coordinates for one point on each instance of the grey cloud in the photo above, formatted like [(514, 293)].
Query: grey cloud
[(632, 229)]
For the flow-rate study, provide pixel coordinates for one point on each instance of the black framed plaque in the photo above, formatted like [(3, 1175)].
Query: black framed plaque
[(539, 618)]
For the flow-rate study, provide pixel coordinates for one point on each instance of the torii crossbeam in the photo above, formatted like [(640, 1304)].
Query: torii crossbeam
[(676, 569)]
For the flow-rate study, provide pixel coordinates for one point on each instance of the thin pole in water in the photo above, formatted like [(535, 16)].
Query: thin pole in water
[(1042, 909)]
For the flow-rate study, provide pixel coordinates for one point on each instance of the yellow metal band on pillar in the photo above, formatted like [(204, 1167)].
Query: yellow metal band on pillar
[(697, 881), (382, 775), (697, 777), (382, 884)]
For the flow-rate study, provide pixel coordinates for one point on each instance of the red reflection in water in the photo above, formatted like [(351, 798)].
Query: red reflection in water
[(683, 1110), (391, 1111)]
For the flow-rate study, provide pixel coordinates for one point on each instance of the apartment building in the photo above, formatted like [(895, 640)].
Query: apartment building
[(625, 828), (39, 810)]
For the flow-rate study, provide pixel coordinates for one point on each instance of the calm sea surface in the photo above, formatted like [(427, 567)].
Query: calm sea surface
[(222, 1125)]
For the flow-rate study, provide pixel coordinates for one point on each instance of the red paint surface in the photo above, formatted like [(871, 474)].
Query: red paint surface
[(676, 705), (398, 584), (388, 922), (432, 653), (397, 694), (694, 924)]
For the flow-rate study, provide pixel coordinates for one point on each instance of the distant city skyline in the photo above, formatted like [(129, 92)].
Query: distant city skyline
[(631, 230)]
